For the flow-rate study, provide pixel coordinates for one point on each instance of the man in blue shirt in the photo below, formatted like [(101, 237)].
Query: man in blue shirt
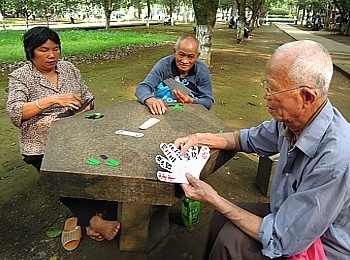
[(184, 67), (310, 193)]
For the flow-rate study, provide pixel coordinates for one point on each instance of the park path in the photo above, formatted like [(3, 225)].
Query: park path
[(340, 52)]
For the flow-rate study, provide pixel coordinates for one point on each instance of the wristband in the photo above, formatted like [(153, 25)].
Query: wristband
[(37, 105)]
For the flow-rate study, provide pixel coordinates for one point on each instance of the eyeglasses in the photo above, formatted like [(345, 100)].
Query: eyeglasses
[(270, 93)]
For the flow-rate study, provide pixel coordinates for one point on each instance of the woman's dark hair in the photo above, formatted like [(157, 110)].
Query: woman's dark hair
[(36, 37)]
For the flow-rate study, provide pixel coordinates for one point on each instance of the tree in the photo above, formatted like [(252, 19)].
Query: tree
[(344, 10), (254, 6), (205, 12), (108, 7), (241, 5)]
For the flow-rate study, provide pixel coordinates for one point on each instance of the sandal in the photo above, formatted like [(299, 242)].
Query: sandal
[(71, 234)]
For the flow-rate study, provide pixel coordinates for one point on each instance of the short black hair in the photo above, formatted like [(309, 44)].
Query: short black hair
[(36, 37)]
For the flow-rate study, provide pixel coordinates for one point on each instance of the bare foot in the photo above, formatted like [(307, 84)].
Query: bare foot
[(108, 229), (94, 234)]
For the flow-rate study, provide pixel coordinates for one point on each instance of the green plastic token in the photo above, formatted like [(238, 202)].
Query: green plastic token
[(93, 161), (112, 163), (177, 107)]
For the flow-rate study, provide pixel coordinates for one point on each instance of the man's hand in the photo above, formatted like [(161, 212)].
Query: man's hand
[(181, 98), (156, 106), (198, 190)]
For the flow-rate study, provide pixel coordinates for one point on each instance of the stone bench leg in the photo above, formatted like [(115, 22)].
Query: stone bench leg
[(143, 226), (266, 169)]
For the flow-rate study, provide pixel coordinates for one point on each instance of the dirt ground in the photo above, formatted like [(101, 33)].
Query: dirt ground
[(27, 211)]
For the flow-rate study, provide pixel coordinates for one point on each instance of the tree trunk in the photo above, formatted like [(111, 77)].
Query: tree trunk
[(241, 4), (256, 8), (205, 12), (139, 9), (108, 19), (347, 28), (204, 34)]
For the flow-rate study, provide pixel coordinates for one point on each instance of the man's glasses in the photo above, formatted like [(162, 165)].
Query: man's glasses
[(270, 93)]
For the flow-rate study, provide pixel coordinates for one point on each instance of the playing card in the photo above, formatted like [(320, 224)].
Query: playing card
[(175, 167), (191, 162), (171, 177), (171, 152), (175, 85), (202, 158)]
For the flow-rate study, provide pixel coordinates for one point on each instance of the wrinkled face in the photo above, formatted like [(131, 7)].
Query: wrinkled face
[(186, 55), (46, 56), (285, 106)]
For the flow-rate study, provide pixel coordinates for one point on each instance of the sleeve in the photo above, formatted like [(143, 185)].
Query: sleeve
[(17, 96), (83, 89), (205, 88), (308, 213), (147, 87), (263, 139)]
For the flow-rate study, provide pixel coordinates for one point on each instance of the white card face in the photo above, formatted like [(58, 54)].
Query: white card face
[(170, 152), (202, 159), (191, 162), (149, 123), (175, 167), (171, 177)]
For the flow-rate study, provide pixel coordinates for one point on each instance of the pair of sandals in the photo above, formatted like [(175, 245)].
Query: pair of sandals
[(72, 234)]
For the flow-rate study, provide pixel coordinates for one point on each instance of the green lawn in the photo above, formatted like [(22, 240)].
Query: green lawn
[(78, 42)]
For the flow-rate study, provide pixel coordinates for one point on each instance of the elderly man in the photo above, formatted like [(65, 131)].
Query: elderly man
[(310, 193), (183, 67)]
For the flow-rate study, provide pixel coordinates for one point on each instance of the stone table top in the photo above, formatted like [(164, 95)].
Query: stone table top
[(74, 140)]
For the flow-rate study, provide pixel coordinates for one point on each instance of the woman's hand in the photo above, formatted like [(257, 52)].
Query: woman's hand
[(68, 100)]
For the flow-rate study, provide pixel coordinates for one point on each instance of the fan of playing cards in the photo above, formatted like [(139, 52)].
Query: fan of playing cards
[(191, 162)]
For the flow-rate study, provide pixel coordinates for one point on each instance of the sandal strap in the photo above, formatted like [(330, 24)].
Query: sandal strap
[(73, 235)]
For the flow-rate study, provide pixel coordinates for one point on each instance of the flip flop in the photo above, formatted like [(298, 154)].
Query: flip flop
[(71, 234)]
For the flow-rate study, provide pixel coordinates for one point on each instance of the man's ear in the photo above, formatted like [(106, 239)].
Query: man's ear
[(174, 50), (310, 95)]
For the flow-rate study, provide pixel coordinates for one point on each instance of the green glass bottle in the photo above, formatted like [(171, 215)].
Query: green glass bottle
[(190, 211)]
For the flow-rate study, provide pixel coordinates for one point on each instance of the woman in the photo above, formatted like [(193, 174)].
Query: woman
[(39, 93)]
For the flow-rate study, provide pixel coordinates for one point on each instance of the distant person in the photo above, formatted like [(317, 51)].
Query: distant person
[(308, 213), (38, 93), (232, 22), (71, 17), (184, 67)]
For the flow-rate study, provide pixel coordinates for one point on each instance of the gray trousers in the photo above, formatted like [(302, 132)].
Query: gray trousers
[(227, 241)]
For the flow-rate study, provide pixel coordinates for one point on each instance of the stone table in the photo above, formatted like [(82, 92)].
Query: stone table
[(143, 201)]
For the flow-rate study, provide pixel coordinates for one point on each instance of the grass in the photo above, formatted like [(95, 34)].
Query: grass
[(78, 42)]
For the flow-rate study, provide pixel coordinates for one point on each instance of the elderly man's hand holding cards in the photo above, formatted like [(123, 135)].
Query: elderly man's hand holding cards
[(176, 166)]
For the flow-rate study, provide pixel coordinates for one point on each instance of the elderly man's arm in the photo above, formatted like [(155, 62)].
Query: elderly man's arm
[(201, 191)]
